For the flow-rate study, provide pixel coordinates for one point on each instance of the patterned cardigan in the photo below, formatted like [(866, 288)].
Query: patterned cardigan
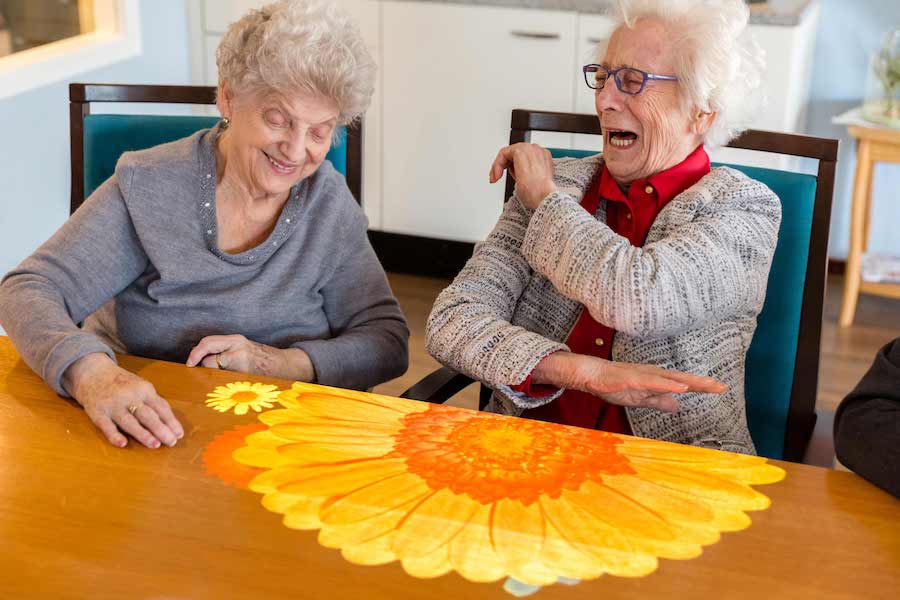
[(687, 300)]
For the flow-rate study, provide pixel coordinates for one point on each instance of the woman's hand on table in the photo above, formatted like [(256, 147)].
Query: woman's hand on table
[(532, 168), (119, 401), (237, 353), (625, 384)]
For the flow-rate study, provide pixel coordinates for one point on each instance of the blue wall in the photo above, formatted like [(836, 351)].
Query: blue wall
[(34, 132), (849, 32)]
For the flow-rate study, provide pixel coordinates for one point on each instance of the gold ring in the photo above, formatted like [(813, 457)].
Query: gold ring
[(218, 362), (133, 408)]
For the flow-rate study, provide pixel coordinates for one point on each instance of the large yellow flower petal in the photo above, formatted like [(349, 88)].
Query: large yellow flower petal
[(429, 566), (710, 487), (374, 552), (336, 434), (255, 456), (559, 555), (758, 474), (621, 512), (433, 523), (533, 573), (325, 406), (472, 553), (669, 452), (381, 524), (335, 480), (374, 499), (517, 531), (296, 395), (311, 453), (299, 512), (610, 547)]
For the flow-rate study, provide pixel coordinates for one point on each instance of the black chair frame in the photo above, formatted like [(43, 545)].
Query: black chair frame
[(82, 95)]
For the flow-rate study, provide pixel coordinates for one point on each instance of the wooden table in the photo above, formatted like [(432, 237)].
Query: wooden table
[(81, 519), (874, 145)]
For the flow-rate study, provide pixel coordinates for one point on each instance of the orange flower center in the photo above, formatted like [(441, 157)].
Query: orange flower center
[(491, 458), (244, 396)]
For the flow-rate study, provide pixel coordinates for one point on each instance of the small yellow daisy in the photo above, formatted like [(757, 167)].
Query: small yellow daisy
[(242, 396)]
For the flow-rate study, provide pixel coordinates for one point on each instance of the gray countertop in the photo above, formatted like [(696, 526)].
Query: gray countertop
[(785, 13)]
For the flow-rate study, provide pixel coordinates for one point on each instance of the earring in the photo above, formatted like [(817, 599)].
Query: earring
[(226, 122)]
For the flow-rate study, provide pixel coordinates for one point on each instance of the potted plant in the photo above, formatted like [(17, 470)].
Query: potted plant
[(884, 106)]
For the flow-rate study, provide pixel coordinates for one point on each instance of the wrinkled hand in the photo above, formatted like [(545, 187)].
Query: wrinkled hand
[(532, 168), (237, 353), (625, 384), (119, 401)]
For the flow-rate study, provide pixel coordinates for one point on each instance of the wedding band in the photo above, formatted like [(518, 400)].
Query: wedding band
[(218, 362), (133, 408)]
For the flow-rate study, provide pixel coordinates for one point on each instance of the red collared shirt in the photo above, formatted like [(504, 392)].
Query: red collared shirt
[(630, 216)]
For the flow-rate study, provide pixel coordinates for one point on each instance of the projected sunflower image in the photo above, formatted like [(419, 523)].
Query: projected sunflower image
[(443, 489), (242, 396)]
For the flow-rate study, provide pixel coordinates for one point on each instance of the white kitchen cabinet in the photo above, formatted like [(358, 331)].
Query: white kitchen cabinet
[(785, 88), (451, 76), (211, 18), (593, 35)]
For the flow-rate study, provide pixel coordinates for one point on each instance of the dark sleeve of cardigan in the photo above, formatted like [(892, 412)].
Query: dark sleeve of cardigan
[(867, 423)]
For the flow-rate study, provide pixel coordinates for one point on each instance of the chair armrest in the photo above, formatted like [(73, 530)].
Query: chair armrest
[(820, 451), (438, 386)]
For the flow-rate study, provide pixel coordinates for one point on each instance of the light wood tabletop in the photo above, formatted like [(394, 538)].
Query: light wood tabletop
[(81, 519)]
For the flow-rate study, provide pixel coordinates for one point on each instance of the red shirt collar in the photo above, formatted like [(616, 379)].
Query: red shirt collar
[(668, 183)]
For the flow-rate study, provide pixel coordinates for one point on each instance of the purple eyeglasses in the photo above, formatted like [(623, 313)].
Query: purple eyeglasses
[(628, 80)]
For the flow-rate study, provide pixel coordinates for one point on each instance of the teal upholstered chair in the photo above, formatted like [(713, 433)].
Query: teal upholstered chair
[(783, 359), (99, 139)]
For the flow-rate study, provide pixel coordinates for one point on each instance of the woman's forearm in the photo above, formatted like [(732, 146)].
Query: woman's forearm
[(556, 369)]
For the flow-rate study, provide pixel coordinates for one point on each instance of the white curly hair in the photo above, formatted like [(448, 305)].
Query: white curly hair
[(305, 46), (718, 63)]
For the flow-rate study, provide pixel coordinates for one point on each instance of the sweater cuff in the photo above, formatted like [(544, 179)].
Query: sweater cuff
[(70, 349), (534, 390), (523, 400)]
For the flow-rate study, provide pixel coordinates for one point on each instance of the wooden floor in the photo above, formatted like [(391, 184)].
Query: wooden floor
[(846, 354)]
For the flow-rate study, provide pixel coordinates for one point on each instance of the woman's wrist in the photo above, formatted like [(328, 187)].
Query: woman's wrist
[(82, 369), (555, 369), (298, 365)]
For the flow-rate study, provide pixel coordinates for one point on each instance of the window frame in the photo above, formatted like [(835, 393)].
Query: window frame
[(116, 37)]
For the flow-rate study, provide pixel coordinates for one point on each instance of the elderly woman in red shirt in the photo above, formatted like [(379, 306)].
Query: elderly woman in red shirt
[(613, 283)]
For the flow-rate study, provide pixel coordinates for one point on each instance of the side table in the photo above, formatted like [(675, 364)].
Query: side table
[(873, 145)]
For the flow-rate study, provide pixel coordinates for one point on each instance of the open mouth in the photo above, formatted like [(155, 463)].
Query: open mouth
[(621, 138), (279, 167)]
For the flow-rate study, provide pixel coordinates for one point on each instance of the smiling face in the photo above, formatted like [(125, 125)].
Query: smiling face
[(273, 142), (650, 132)]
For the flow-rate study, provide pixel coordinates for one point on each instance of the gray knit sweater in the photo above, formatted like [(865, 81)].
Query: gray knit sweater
[(687, 300), (139, 264)]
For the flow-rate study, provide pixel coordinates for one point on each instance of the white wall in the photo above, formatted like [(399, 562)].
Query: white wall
[(848, 35), (34, 132), (34, 127)]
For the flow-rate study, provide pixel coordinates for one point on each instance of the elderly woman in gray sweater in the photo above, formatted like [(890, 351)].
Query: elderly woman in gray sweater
[(236, 248), (611, 283)]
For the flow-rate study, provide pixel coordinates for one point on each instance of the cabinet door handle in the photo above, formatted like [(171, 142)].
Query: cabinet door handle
[(535, 35), (597, 40)]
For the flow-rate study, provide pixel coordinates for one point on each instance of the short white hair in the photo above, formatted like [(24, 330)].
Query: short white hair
[(718, 64), (306, 46)]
